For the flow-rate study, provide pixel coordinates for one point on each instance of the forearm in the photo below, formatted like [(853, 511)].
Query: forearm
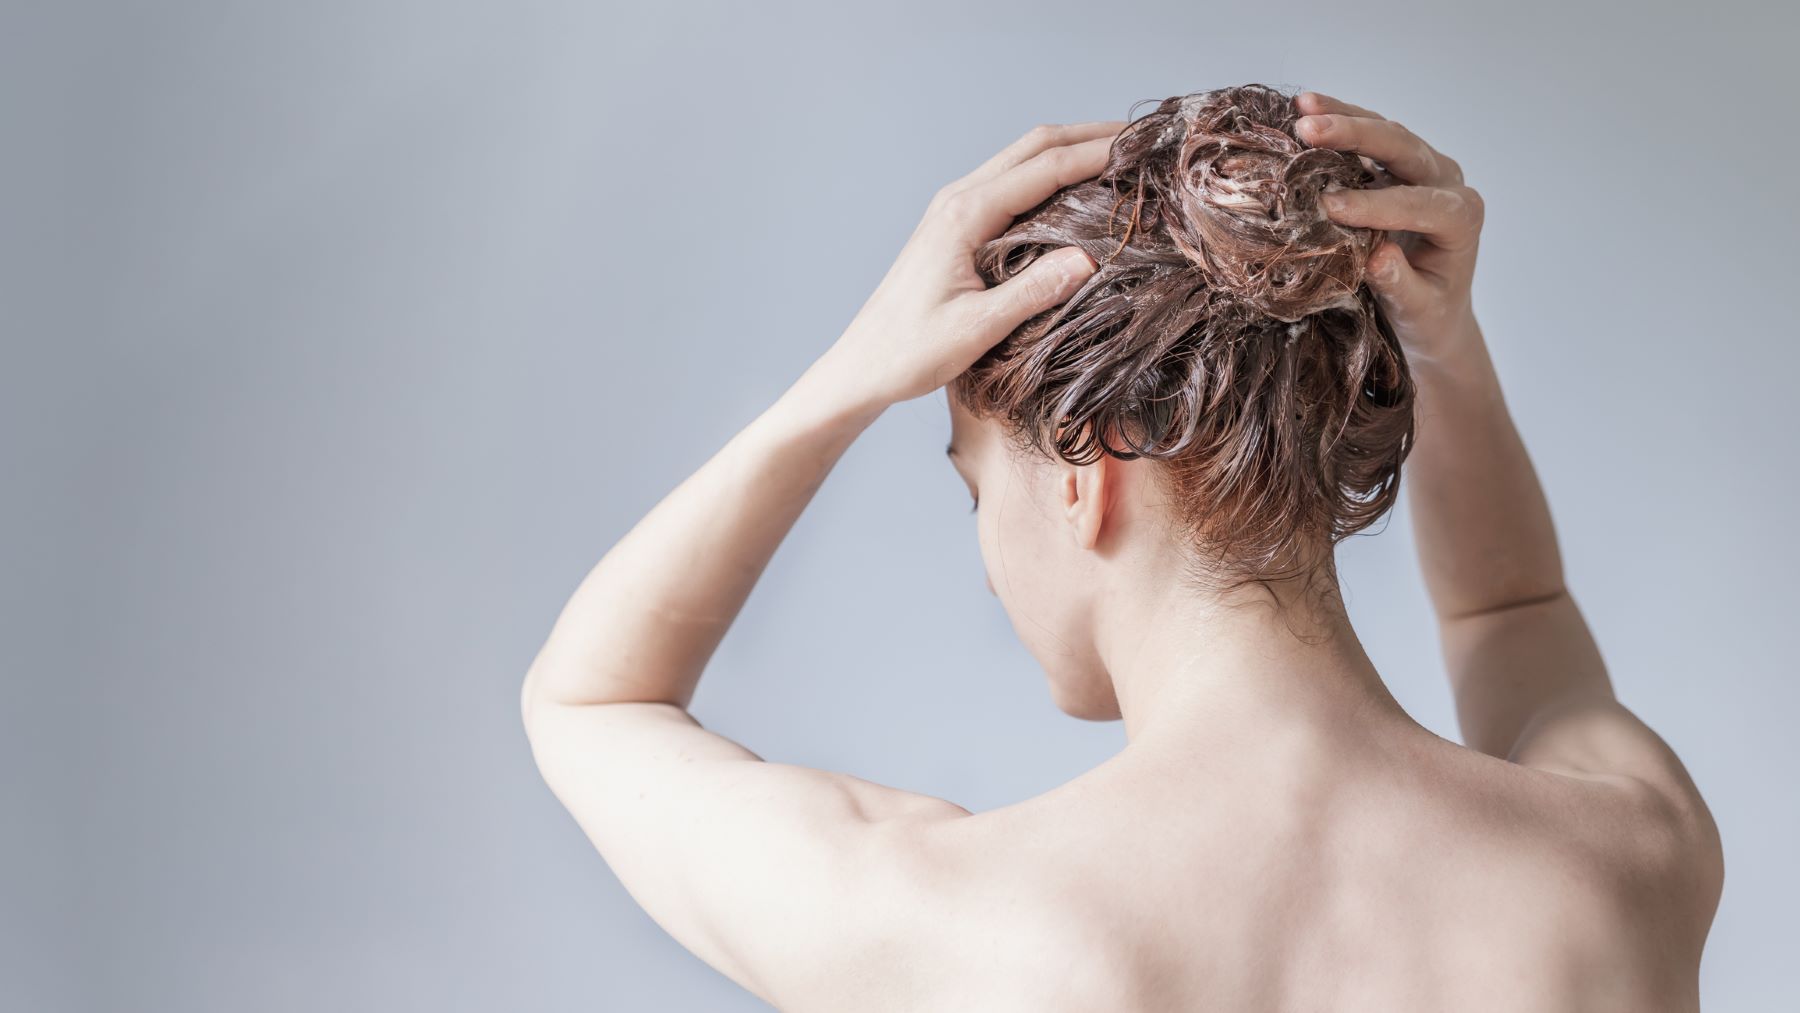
[(643, 624), (1479, 516)]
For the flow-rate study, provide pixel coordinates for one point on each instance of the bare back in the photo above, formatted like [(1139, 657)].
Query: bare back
[(1420, 877)]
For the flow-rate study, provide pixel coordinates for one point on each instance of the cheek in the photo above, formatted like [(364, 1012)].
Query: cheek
[(1018, 549), (1033, 569)]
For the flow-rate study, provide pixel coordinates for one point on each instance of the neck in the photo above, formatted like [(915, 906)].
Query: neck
[(1201, 673)]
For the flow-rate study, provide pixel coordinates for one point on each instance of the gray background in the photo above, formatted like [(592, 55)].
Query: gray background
[(340, 340)]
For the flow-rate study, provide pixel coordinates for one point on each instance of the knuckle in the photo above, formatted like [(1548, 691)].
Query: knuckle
[(1447, 203), (1037, 289), (957, 207), (1050, 158), (1477, 205), (1425, 157), (1457, 205)]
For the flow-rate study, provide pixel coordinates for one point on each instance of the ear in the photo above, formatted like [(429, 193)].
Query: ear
[(1087, 493)]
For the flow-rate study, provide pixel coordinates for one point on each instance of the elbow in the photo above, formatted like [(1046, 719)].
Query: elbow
[(542, 688), (1681, 846), (531, 701), (1708, 862)]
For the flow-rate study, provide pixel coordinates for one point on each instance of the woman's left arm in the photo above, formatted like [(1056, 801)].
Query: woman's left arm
[(784, 878)]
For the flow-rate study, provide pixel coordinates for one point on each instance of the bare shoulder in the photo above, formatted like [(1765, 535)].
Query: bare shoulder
[(1630, 857), (1632, 797), (1068, 901), (1534, 694), (990, 913)]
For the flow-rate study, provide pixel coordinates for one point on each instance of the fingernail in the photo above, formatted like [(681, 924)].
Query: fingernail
[(1331, 202)]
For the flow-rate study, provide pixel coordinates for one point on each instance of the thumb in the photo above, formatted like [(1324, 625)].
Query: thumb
[(1392, 278), (1051, 279)]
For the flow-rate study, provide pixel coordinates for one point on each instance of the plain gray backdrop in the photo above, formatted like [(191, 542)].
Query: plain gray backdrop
[(342, 338)]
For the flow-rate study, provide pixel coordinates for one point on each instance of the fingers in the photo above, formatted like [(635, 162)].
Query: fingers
[(1399, 149), (981, 211), (1050, 280), (1025, 185), (1038, 139), (1315, 102), (1449, 216), (1401, 289)]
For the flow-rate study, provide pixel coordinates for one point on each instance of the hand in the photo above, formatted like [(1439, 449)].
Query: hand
[(932, 316), (1421, 280)]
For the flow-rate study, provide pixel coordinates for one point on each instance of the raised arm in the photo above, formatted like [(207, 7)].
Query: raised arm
[(800, 884), (1529, 681), (1516, 646)]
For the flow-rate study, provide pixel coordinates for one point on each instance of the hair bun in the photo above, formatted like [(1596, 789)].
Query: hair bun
[(1242, 199), (1226, 334)]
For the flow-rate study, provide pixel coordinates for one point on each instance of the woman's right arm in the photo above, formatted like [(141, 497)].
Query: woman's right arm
[(1529, 682), (1516, 646)]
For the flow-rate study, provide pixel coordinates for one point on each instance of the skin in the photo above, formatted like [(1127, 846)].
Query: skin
[(1277, 833)]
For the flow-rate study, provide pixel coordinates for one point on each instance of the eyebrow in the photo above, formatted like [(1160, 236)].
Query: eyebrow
[(950, 449)]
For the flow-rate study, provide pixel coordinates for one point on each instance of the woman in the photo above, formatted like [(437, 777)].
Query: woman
[(1174, 388)]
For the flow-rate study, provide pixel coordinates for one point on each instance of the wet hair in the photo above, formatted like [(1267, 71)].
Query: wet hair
[(1226, 333)]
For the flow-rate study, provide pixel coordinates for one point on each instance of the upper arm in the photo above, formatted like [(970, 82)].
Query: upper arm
[(1531, 687), (1510, 665), (782, 877)]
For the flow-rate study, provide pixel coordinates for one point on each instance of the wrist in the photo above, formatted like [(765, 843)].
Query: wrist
[(827, 395), (1459, 349), (1461, 378)]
